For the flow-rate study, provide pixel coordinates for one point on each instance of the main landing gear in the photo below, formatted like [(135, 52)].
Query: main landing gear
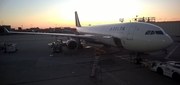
[(138, 58)]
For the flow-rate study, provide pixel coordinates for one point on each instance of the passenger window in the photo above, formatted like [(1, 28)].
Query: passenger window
[(123, 28), (159, 32), (152, 32), (148, 32), (116, 29)]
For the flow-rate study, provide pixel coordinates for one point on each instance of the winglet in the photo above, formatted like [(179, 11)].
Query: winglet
[(77, 20)]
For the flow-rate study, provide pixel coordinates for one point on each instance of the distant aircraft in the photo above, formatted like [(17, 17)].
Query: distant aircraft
[(133, 36)]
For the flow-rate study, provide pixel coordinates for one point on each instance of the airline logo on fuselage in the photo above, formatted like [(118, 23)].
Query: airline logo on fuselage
[(117, 28)]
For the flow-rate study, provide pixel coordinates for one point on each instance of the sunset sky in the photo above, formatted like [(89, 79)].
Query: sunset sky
[(60, 13)]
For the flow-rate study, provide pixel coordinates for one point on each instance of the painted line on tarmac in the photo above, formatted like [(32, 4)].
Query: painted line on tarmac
[(123, 57), (167, 57), (113, 77)]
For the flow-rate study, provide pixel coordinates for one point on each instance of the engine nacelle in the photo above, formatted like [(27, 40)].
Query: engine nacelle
[(72, 44)]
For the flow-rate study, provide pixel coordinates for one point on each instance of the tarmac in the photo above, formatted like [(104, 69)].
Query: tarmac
[(35, 64)]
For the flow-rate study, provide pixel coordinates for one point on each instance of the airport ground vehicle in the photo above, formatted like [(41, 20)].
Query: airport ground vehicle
[(8, 47), (56, 46), (169, 68)]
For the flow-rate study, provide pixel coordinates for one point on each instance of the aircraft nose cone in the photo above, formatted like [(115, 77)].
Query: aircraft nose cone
[(168, 41)]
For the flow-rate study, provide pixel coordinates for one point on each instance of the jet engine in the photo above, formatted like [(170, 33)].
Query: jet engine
[(72, 44)]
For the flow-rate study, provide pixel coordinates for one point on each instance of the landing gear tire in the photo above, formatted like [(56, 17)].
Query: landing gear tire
[(176, 76), (137, 60), (160, 71)]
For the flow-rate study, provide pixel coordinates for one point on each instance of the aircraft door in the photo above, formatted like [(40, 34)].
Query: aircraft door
[(130, 33)]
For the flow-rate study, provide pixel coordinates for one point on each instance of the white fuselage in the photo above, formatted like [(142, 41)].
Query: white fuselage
[(132, 36)]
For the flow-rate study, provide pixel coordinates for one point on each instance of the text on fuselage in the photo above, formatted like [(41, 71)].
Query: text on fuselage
[(116, 28)]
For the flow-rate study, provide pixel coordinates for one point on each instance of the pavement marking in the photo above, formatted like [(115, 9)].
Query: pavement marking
[(167, 57), (124, 57), (113, 77), (51, 62)]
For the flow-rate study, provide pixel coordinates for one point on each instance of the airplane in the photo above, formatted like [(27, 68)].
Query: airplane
[(132, 36)]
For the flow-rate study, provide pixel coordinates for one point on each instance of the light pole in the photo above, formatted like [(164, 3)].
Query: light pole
[(2, 22), (121, 20), (31, 25)]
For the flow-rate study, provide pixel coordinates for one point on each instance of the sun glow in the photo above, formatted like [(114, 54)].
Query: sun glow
[(60, 13), (100, 11)]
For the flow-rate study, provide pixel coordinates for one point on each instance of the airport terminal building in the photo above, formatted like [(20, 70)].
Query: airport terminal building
[(170, 27)]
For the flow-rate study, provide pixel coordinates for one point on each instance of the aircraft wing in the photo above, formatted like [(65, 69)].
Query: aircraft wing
[(87, 36)]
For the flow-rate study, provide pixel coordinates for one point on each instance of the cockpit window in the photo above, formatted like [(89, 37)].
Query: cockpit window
[(152, 32), (148, 32), (159, 32)]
